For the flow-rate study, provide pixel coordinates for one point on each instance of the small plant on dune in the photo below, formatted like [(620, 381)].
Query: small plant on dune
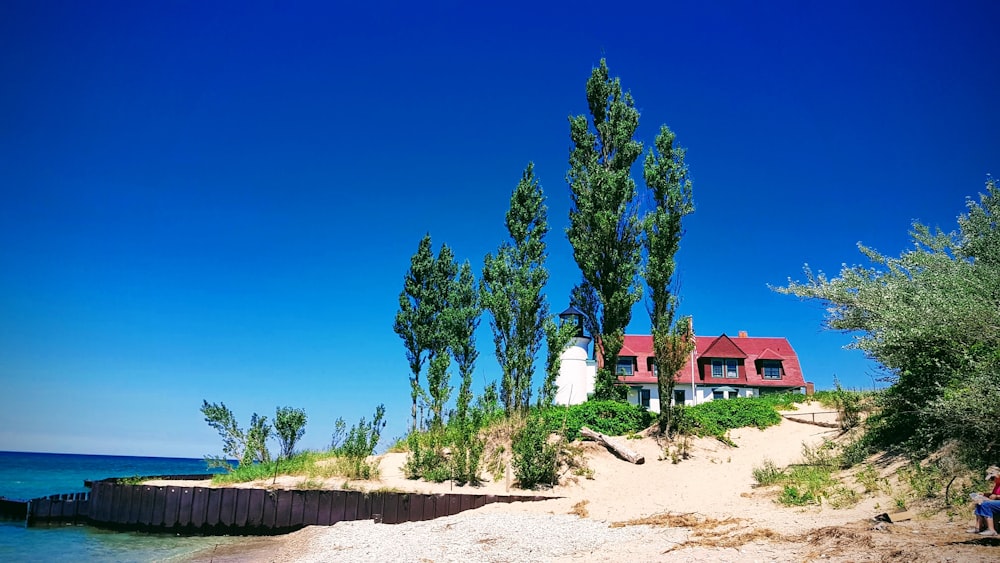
[(848, 405), (535, 456), (767, 473), (358, 445), (868, 477), (843, 497), (792, 496), (573, 459)]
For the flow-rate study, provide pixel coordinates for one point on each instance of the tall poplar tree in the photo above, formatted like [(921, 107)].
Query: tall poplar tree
[(443, 328), (511, 291), (604, 226), (427, 287), (415, 316), (666, 176), (463, 320)]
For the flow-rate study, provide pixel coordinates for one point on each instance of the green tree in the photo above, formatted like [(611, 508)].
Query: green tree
[(257, 434), (234, 442), (245, 446), (666, 176), (445, 323), (421, 324), (930, 318), (604, 227), (415, 318), (463, 320), (512, 291), (290, 426)]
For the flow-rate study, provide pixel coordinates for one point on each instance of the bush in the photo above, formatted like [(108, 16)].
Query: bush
[(783, 401), (715, 418), (360, 443), (427, 459), (607, 417), (534, 456)]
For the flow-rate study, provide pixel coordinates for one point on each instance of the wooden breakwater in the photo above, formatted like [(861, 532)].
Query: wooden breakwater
[(206, 510)]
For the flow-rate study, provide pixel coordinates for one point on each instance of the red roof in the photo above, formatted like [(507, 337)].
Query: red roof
[(723, 347), (749, 349)]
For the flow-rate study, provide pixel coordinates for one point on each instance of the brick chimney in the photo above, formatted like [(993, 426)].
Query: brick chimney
[(743, 334)]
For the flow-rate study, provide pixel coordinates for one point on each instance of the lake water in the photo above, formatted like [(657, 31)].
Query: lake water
[(33, 475)]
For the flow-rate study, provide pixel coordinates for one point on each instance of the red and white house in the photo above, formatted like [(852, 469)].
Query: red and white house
[(720, 367)]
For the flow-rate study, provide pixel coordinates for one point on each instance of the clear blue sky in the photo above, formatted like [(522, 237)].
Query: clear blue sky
[(207, 200)]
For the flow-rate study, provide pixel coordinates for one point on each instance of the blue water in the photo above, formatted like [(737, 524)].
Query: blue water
[(32, 475)]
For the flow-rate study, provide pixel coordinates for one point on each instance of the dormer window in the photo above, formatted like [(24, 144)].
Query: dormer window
[(771, 369), (625, 366), (725, 368)]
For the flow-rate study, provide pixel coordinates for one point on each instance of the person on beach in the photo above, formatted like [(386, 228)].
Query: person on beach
[(987, 504)]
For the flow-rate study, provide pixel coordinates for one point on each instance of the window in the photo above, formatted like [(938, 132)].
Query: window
[(716, 368), (651, 366), (731, 369), (772, 369), (644, 397), (716, 395), (625, 365), (678, 397)]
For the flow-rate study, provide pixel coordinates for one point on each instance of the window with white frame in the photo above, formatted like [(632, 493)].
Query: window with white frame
[(644, 397), (771, 369), (731, 371), (626, 365), (717, 365)]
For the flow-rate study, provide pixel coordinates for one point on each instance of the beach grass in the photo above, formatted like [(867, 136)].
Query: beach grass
[(308, 465)]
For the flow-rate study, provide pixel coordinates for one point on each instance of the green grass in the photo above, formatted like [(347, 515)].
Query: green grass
[(810, 482), (304, 464)]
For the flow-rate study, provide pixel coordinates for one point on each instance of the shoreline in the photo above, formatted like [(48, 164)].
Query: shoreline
[(703, 508)]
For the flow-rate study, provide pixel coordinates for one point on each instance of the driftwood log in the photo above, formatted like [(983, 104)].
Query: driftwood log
[(619, 450)]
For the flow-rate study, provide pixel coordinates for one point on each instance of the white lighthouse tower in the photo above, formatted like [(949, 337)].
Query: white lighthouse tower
[(577, 372)]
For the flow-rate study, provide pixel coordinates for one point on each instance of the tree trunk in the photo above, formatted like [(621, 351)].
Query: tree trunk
[(618, 449)]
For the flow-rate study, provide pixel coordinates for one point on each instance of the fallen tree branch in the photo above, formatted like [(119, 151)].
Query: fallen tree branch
[(619, 450)]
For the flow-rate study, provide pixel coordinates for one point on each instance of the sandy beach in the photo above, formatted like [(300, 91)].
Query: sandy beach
[(703, 508)]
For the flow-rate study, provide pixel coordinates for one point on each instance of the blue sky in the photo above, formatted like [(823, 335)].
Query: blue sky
[(219, 201)]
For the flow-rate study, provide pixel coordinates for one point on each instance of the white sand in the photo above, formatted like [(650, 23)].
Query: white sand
[(723, 517)]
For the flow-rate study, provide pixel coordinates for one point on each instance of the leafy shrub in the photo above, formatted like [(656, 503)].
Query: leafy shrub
[(534, 456), (783, 401), (925, 481), (427, 459), (715, 418), (614, 418), (360, 443)]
